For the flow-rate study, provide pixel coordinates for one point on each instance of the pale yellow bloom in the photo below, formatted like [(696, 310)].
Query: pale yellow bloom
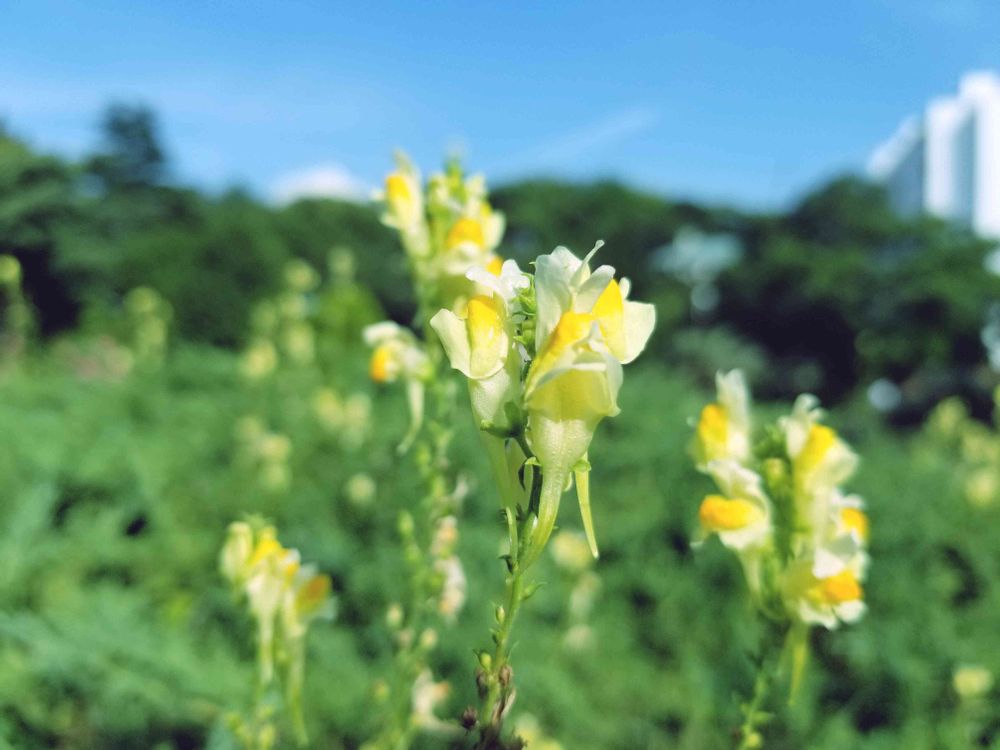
[(571, 552), (586, 328), (259, 360), (972, 681), (723, 429)]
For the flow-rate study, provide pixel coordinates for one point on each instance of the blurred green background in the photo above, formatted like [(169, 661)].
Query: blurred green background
[(124, 455)]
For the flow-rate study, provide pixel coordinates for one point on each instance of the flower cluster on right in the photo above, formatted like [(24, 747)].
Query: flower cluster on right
[(781, 507)]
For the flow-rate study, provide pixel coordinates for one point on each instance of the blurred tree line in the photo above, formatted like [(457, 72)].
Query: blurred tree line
[(835, 294)]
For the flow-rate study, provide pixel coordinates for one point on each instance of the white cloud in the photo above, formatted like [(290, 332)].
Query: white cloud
[(321, 181)]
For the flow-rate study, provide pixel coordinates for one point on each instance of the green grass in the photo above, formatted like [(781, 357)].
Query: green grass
[(116, 629)]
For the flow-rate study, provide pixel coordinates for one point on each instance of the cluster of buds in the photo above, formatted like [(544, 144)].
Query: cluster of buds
[(266, 451), (543, 356), (282, 327), (971, 448), (149, 319), (284, 598), (347, 418), (780, 507), (446, 229)]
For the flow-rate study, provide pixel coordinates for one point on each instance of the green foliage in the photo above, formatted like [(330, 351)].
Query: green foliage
[(841, 292), (117, 631)]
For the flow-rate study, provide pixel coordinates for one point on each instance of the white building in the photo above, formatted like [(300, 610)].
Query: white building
[(947, 162)]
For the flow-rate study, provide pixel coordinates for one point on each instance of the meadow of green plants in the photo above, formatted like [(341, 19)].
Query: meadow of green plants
[(135, 426)]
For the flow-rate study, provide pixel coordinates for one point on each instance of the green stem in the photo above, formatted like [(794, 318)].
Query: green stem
[(749, 737), (499, 677), (774, 645)]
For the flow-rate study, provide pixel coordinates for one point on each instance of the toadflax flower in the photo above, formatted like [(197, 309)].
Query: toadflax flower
[(586, 329), (446, 230), (801, 540), (480, 343), (543, 358), (283, 596), (723, 429), (397, 355)]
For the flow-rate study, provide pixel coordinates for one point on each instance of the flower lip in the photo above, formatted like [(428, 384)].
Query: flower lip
[(718, 513)]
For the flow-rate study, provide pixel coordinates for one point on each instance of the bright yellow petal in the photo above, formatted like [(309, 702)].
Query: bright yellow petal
[(718, 513), (856, 520), (610, 313), (818, 442), (380, 367), (485, 326), (843, 587), (398, 193), (713, 431)]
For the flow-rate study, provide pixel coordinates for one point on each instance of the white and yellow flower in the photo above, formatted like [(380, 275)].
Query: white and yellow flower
[(819, 596), (820, 460), (397, 355), (480, 344), (403, 197), (283, 596), (741, 515), (723, 429), (586, 328)]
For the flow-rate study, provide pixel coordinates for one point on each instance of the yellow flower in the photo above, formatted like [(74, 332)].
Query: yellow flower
[(718, 514), (741, 515), (723, 429), (821, 461), (398, 355), (480, 344), (855, 520), (404, 205), (586, 328)]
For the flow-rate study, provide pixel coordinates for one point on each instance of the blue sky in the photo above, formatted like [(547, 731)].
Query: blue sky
[(739, 102)]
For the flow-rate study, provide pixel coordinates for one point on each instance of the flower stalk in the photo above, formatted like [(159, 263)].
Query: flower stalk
[(802, 542)]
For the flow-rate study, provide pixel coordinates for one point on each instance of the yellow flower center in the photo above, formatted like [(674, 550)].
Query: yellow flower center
[(495, 266), (610, 313), (843, 587), (485, 324), (820, 439), (856, 520), (718, 513), (572, 327), (397, 190), (380, 368), (465, 230)]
